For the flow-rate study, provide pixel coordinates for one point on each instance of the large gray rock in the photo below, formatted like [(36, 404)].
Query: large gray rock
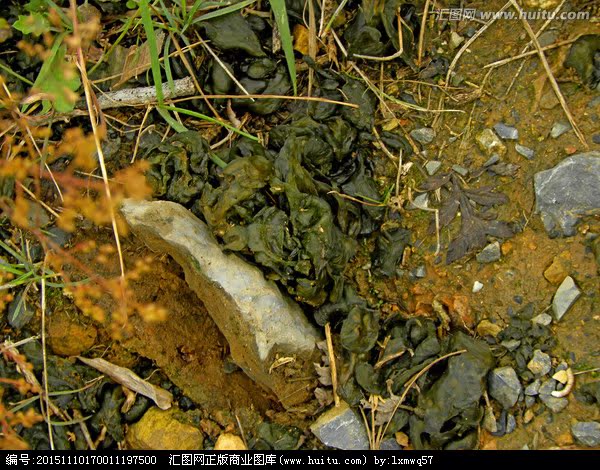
[(567, 192), (504, 386), (587, 433), (256, 319), (565, 296), (340, 427)]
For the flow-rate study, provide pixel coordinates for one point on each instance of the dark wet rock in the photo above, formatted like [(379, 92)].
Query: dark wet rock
[(553, 403), (587, 433), (533, 388), (565, 297), (504, 386), (490, 253), (559, 129), (432, 167), (424, 135), (110, 148), (495, 158), (567, 192), (490, 143), (451, 406), (232, 32), (596, 138), (253, 315), (542, 319), (506, 132), (540, 364), (525, 151), (583, 57), (341, 427), (20, 311), (161, 430)]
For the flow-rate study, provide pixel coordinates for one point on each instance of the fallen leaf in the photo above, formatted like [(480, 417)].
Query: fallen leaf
[(138, 59)]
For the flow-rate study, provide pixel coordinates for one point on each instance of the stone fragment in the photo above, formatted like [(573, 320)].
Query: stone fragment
[(504, 386), (228, 441), (565, 297), (160, 430), (490, 143), (340, 427), (490, 253)]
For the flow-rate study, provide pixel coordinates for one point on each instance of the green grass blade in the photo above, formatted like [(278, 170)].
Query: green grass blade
[(210, 119), (224, 11), (9, 71), (153, 47), (281, 17), (167, 63), (174, 123)]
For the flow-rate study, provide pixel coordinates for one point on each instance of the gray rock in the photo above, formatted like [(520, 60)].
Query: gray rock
[(59, 236), (525, 151), (542, 319), (490, 143), (421, 201), (36, 215), (461, 170), (424, 135), (495, 158), (506, 132), (559, 128), (547, 38), (511, 424), (420, 272), (253, 315), (553, 403), (340, 427), (533, 388), (455, 40), (529, 401), (565, 296), (504, 386), (432, 167), (490, 253), (511, 344), (390, 444), (568, 191), (540, 363), (596, 138), (587, 433)]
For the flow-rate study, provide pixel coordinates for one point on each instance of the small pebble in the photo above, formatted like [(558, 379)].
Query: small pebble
[(559, 129), (511, 344), (529, 414), (529, 401), (455, 40), (561, 376), (490, 143), (511, 424), (596, 138), (461, 170), (490, 253), (566, 295), (506, 132), (477, 286), (424, 135), (525, 151), (421, 201), (495, 158), (540, 364), (504, 386), (432, 167), (542, 319), (533, 388), (420, 272)]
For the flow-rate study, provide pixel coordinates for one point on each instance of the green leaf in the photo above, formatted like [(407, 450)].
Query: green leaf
[(58, 78), (35, 24), (281, 17)]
